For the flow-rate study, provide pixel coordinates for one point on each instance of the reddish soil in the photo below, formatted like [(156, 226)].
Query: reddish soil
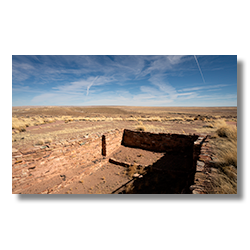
[(103, 181), (232, 123), (136, 156)]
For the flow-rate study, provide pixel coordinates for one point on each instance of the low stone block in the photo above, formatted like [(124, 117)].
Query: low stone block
[(200, 163)]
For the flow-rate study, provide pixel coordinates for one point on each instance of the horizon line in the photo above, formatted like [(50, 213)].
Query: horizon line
[(120, 106)]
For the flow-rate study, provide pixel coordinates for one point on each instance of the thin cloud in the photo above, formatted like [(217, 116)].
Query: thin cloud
[(205, 87), (91, 85), (83, 85), (24, 89), (199, 69)]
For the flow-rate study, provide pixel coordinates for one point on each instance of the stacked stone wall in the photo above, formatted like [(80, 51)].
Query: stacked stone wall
[(157, 142), (37, 165)]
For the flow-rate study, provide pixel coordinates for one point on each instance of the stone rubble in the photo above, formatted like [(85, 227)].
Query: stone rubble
[(204, 168)]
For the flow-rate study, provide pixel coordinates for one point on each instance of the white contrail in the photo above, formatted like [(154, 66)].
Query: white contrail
[(199, 68), (90, 85)]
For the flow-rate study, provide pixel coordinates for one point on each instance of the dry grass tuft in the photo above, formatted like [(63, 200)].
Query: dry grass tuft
[(154, 119), (227, 152), (39, 142), (142, 170), (176, 119), (19, 125), (22, 123), (48, 140), (155, 129), (224, 184), (229, 132), (220, 123), (132, 170), (225, 145), (189, 119), (140, 128), (129, 188), (48, 120)]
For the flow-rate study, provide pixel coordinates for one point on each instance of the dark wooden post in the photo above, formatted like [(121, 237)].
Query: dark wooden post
[(104, 152)]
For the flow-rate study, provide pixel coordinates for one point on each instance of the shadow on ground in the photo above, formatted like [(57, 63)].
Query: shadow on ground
[(171, 174)]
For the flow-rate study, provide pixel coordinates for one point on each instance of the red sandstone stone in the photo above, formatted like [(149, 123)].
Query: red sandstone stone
[(204, 158)]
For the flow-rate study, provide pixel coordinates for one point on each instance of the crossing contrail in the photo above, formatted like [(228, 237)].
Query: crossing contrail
[(199, 68), (91, 85)]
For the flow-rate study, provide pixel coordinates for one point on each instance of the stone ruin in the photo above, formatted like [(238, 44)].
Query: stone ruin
[(184, 168)]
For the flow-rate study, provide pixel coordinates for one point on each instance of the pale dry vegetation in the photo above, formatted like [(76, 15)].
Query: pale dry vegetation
[(227, 144), (21, 123), (134, 170), (225, 147), (150, 128)]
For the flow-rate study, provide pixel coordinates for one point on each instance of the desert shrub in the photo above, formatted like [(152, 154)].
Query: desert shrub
[(155, 119), (209, 125), (174, 119), (49, 120), (39, 142), (140, 128), (48, 140), (220, 123), (68, 119), (132, 170), (140, 123), (189, 119), (227, 153), (131, 119), (228, 132), (109, 119), (225, 148), (118, 119), (38, 121), (226, 143), (22, 129), (18, 125), (222, 132), (223, 184), (217, 117)]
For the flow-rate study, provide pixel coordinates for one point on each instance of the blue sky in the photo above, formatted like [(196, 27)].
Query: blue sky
[(124, 80)]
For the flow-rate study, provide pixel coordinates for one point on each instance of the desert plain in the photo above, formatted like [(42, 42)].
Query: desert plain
[(50, 148)]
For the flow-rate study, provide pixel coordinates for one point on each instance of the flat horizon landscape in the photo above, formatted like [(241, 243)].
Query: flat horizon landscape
[(124, 124), (40, 133)]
